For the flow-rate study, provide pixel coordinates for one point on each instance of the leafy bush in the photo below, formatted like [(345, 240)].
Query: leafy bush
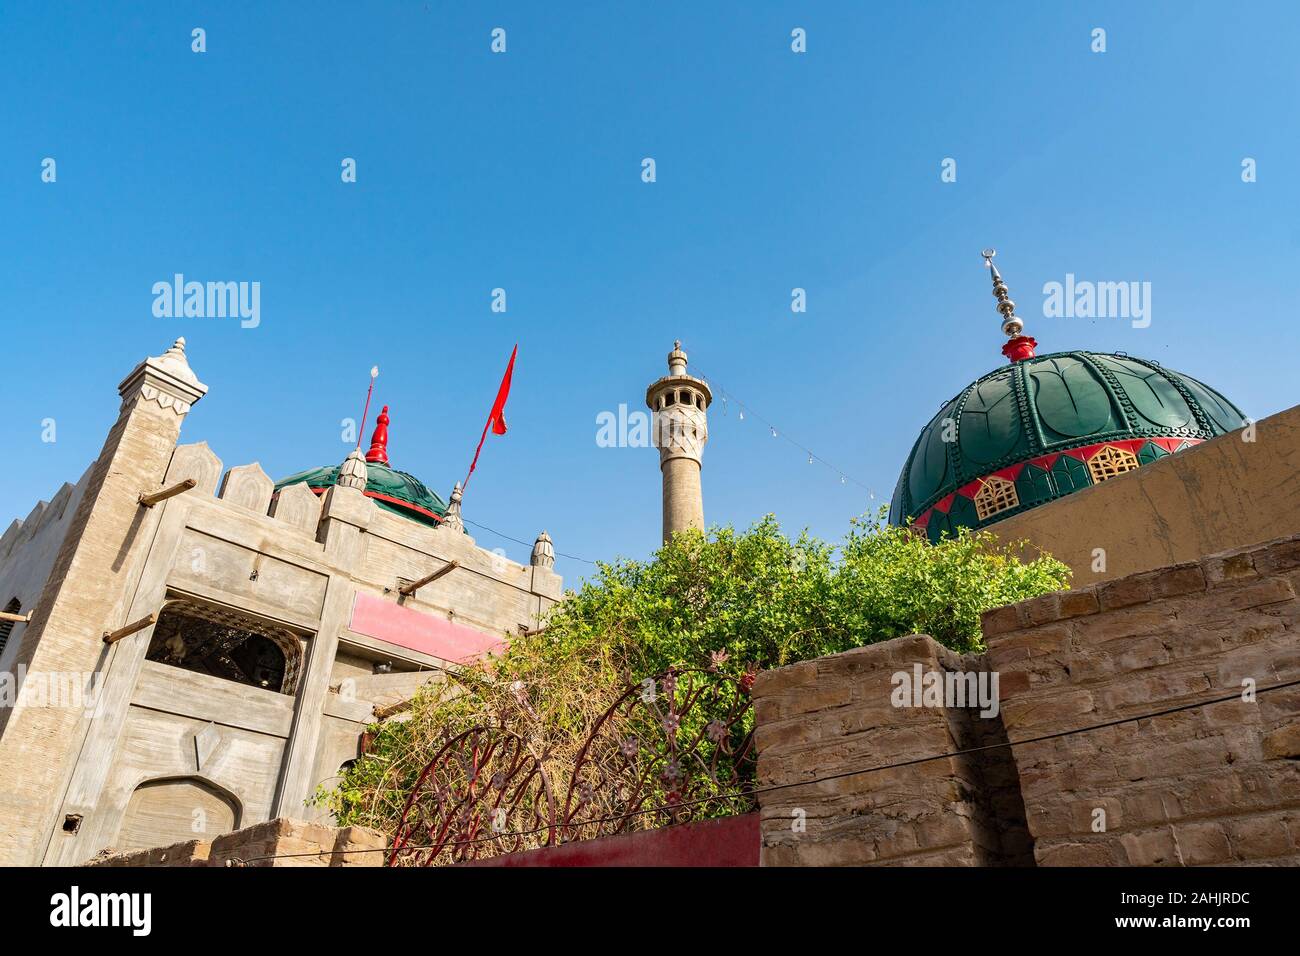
[(745, 599)]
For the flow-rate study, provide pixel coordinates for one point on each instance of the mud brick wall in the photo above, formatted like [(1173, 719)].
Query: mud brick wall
[(828, 716), (1209, 785), (280, 842)]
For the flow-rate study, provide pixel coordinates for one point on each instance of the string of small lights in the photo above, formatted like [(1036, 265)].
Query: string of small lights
[(728, 398), (816, 780)]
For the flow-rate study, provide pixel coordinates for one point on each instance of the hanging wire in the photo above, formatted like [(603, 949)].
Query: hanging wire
[(526, 544), (741, 408)]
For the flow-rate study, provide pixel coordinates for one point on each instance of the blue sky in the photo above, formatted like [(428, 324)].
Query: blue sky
[(522, 170)]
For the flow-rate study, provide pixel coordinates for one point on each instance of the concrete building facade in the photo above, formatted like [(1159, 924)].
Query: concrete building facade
[(204, 648)]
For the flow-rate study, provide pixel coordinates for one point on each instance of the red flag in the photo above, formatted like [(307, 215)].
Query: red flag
[(496, 418)]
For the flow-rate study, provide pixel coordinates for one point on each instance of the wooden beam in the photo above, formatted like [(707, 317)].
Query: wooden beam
[(383, 713), (531, 631), (16, 618), (153, 498), (111, 637), (414, 586)]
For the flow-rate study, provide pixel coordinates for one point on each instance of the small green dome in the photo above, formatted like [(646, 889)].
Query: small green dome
[(393, 490), (1037, 429)]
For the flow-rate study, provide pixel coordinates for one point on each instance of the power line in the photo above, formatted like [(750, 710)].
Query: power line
[(526, 544), (808, 783)]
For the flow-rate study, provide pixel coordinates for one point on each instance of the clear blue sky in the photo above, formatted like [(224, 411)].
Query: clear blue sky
[(522, 171)]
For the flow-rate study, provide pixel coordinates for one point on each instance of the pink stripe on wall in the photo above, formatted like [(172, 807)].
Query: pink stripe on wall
[(389, 622)]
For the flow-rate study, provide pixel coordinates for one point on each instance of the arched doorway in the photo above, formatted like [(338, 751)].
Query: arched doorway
[(174, 810)]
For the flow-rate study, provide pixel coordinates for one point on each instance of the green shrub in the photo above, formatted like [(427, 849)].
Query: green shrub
[(749, 599)]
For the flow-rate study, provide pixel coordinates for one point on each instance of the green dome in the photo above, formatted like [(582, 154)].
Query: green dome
[(393, 490), (1043, 427)]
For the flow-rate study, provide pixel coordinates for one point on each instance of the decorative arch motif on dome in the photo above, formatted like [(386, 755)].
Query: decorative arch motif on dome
[(1110, 462), (1071, 399), (995, 495), (990, 427)]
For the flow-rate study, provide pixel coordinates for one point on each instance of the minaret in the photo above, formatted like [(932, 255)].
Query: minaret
[(1017, 346), (679, 404)]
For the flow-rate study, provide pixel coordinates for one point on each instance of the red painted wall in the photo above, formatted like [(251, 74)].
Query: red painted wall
[(726, 841), (404, 627)]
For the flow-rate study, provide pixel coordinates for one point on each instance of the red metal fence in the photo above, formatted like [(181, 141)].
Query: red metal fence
[(672, 748)]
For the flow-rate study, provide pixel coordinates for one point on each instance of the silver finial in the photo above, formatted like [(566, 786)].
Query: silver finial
[(1012, 325)]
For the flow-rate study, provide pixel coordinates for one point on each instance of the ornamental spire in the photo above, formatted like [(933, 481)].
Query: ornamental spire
[(379, 441), (677, 359), (543, 555), (453, 518), (1018, 346)]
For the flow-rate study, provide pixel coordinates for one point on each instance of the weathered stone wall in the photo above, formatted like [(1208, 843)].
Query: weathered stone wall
[(833, 715), (1216, 784), (280, 842), (28, 550), (1206, 785), (1225, 493)]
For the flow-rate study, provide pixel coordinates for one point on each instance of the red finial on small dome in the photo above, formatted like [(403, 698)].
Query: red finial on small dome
[(1020, 348), (379, 441)]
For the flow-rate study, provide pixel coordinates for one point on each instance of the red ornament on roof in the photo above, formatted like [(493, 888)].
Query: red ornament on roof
[(379, 441), (1020, 348)]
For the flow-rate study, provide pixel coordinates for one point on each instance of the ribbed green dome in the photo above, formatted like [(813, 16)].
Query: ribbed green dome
[(1043, 427), (393, 490)]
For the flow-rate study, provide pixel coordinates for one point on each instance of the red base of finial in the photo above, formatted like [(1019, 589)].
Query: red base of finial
[(1020, 348), (379, 441)]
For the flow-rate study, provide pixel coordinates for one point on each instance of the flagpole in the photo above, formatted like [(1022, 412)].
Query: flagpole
[(496, 416), (361, 429)]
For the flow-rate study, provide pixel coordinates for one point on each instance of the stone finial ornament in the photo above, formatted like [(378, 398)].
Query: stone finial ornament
[(175, 362), (677, 359), (352, 473), (452, 519), (165, 379), (543, 552), (1018, 346)]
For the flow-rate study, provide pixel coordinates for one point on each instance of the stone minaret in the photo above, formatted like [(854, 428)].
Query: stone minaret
[(679, 404)]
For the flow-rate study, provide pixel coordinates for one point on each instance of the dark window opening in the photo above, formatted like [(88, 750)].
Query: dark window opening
[(225, 644), (6, 627)]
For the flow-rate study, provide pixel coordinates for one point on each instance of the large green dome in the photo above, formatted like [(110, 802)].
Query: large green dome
[(1045, 426), (393, 490)]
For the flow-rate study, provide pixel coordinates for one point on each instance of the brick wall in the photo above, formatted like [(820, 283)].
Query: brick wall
[(1209, 785), (825, 717), (281, 842), (1217, 784)]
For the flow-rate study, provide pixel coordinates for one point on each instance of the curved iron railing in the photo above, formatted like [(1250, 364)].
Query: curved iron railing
[(658, 755)]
